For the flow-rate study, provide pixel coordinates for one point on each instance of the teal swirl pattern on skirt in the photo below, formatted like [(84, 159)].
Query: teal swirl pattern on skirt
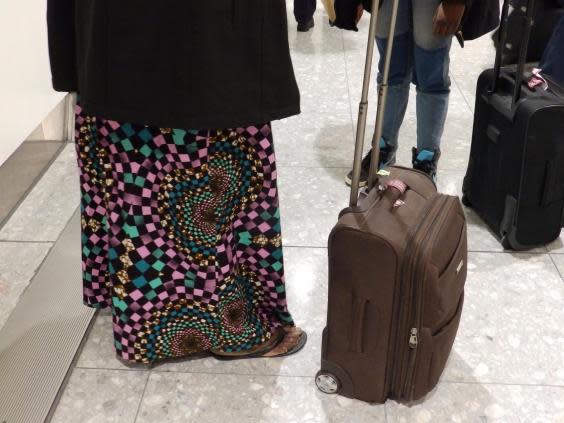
[(181, 236)]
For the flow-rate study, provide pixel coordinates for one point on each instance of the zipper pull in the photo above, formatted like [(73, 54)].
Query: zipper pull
[(413, 338)]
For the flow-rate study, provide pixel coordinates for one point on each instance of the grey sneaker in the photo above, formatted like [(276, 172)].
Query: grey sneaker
[(387, 158)]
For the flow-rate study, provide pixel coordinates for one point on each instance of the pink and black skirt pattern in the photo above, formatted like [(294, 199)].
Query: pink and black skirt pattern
[(181, 236)]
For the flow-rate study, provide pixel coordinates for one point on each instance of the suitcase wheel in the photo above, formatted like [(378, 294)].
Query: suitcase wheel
[(506, 244), (327, 382), (466, 201)]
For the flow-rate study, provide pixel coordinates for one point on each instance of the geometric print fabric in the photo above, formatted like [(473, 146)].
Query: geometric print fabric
[(181, 236)]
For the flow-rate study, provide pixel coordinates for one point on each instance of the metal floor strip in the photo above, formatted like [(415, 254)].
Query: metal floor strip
[(40, 340), (21, 172)]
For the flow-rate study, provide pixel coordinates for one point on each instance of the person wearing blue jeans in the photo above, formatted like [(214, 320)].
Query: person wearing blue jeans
[(421, 55), (303, 12)]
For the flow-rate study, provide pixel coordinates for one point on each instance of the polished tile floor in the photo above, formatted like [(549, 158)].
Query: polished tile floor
[(508, 362)]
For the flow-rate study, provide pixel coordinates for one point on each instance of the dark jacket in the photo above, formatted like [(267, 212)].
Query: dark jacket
[(175, 63), (481, 16)]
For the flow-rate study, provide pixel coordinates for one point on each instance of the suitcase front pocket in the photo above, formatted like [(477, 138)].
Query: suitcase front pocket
[(433, 352)]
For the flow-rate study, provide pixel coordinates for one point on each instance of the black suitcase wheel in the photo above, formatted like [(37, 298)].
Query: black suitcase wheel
[(466, 201), (327, 382), (505, 243)]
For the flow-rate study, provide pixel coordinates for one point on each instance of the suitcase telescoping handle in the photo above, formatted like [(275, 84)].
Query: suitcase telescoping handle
[(523, 49), (363, 107)]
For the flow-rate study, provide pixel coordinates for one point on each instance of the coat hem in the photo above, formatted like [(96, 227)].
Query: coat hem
[(168, 120)]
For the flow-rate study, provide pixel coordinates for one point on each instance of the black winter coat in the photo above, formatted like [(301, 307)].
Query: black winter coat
[(481, 16), (175, 63)]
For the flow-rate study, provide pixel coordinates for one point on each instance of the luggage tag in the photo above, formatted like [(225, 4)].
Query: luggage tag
[(401, 187), (537, 80), (384, 173)]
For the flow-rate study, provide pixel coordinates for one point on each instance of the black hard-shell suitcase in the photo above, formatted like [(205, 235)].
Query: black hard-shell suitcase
[(515, 177)]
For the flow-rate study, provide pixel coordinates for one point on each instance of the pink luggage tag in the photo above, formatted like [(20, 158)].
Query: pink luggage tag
[(397, 184), (537, 80), (400, 186)]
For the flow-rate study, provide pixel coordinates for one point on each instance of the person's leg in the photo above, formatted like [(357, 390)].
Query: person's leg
[(253, 246), (92, 164), (195, 260), (401, 73), (432, 61), (552, 62), (303, 12)]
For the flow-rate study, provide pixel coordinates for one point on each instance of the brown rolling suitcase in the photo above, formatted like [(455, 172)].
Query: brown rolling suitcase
[(397, 268)]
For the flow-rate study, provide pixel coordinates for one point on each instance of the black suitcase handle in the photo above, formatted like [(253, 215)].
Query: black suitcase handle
[(528, 26)]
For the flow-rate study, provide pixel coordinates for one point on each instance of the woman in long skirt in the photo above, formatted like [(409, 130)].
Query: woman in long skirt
[(181, 233)]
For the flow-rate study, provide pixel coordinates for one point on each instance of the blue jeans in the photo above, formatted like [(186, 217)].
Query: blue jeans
[(421, 57), (552, 62)]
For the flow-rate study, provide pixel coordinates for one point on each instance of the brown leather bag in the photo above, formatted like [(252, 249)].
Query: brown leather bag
[(397, 268)]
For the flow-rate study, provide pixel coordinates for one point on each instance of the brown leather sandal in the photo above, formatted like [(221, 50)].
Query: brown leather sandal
[(294, 341), (277, 346)]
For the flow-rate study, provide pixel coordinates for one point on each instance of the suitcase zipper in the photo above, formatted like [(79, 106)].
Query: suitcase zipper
[(414, 338), (399, 352), (414, 285), (418, 296)]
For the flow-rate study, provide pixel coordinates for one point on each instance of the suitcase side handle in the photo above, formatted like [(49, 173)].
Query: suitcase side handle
[(358, 318), (553, 187)]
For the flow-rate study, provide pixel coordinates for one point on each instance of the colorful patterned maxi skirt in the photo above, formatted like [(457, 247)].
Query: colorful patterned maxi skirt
[(181, 236)]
